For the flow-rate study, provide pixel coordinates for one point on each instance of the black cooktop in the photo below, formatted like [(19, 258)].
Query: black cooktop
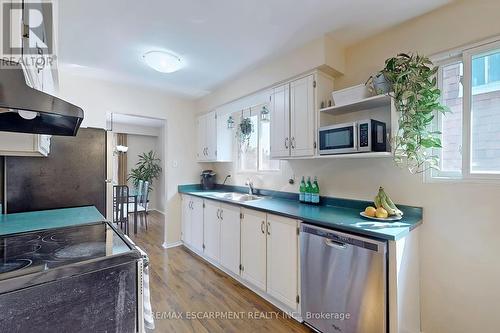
[(39, 251)]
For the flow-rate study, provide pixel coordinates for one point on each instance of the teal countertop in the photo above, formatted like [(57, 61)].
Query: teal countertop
[(338, 214), (48, 219)]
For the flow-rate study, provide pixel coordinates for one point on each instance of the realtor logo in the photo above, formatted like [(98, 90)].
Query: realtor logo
[(27, 33), (27, 28)]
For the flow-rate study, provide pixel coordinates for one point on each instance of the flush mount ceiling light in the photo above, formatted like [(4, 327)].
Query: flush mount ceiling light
[(162, 61)]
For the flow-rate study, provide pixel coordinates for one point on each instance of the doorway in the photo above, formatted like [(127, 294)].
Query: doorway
[(132, 141)]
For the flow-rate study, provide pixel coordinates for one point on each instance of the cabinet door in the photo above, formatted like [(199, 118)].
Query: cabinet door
[(253, 248), (280, 121), (211, 230), (186, 220), (302, 125), (211, 136), (225, 138), (230, 238), (197, 224), (282, 259), (201, 152)]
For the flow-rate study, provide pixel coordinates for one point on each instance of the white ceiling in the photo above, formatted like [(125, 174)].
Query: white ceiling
[(217, 38)]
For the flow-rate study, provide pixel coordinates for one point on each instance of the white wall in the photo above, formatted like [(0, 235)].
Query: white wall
[(138, 144), (97, 98), (460, 237)]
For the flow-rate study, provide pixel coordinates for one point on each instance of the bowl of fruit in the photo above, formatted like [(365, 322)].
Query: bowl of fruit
[(384, 209)]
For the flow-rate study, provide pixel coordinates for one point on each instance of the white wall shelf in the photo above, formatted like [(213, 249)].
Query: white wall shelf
[(364, 104)]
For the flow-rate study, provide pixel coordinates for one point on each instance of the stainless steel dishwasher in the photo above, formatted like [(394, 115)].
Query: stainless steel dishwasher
[(343, 282)]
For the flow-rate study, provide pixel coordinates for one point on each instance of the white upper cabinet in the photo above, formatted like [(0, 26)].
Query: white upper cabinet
[(293, 116), (280, 121), (214, 139), (302, 120)]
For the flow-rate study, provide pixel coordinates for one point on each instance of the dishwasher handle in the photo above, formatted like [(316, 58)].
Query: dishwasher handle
[(335, 244)]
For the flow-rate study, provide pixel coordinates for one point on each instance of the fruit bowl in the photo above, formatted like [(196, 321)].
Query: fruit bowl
[(389, 218)]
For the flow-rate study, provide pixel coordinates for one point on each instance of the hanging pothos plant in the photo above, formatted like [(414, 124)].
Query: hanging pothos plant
[(413, 87), (244, 131)]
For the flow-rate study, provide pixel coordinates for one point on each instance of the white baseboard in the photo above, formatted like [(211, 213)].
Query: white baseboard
[(156, 210), (170, 245)]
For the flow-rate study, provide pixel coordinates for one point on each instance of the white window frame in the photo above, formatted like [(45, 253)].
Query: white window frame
[(258, 171), (465, 54)]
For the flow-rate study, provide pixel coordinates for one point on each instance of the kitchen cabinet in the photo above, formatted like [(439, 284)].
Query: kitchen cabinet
[(192, 223), (293, 119), (21, 144), (230, 238), (302, 126), (186, 220), (197, 224), (253, 248), (280, 121), (43, 79), (212, 230), (214, 139), (283, 259)]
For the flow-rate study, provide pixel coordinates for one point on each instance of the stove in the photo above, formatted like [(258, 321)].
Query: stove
[(85, 278), (47, 249)]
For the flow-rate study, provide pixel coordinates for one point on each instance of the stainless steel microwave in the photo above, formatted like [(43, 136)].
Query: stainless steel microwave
[(356, 137)]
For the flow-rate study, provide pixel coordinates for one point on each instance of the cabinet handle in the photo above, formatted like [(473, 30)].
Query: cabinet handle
[(262, 227), (292, 142), (269, 228), (221, 216), (218, 212), (286, 143)]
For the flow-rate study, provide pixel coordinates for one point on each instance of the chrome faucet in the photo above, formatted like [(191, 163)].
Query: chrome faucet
[(250, 186)]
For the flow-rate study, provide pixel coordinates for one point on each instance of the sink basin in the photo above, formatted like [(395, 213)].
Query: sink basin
[(239, 197)]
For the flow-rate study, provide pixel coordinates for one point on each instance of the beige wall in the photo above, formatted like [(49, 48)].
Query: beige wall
[(460, 238), (97, 98)]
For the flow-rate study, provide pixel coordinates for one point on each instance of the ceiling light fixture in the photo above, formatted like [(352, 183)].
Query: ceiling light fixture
[(162, 61)]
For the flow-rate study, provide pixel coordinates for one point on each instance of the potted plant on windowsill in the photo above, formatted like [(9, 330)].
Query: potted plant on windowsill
[(412, 84)]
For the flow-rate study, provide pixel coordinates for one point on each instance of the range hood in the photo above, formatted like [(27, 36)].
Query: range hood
[(27, 110)]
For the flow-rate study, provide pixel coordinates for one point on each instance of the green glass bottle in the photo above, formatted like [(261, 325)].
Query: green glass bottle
[(315, 191), (302, 190), (307, 197)]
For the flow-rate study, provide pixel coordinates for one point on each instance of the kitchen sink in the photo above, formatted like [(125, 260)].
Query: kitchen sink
[(239, 197)]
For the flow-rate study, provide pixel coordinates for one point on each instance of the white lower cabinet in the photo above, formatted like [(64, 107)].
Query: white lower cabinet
[(230, 238), (212, 230), (283, 260), (261, 250), (197, 225), (186, 220), (253, 248)]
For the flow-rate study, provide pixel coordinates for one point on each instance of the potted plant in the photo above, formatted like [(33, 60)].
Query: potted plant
[(413, 87), (147, 168), (244, 131)]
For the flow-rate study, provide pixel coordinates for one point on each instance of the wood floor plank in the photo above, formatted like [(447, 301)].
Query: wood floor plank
[(183, 283)]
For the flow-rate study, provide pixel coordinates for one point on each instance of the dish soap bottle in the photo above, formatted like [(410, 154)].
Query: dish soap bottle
[(302, 190), (315, 191), (307, 197)]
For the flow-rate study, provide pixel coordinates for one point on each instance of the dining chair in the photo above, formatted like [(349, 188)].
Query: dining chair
[(121, 206), (142, 201)]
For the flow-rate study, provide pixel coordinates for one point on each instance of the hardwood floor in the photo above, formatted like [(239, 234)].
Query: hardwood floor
[(199, 297)]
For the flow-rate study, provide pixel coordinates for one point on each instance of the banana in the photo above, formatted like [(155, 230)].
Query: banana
[(386, 206), (390, 203), (376, 201)]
